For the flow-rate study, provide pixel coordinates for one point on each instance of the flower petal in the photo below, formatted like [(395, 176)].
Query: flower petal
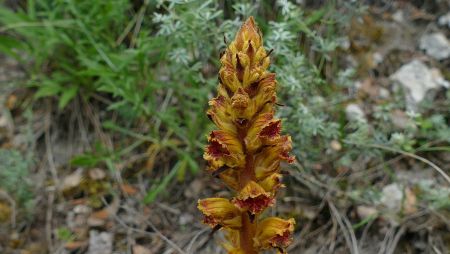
[(265, 92), (253, 198), (271, 183), (274, 232), (264, 131), (220, 211), (268, 160), (224, 149), (220, 114), (248, 32), (230, 178), (233, 243), (241, 105)]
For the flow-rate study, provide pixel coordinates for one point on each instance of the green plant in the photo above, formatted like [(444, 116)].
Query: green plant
[(14, 177)]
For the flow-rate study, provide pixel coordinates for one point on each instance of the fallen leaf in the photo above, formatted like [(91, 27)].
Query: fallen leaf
[(72, 180), (101, 215), (139, 249), (5, 212), (97, 174), (410, 202), (11, 102), (365, 212), (128, 189), (94, 222), (75, 245)]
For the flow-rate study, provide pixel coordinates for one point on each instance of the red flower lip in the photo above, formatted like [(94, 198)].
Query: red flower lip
[(253, 198)]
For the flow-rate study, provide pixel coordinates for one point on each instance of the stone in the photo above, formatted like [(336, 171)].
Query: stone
[(391, 197), (384, 93), (185, 218), (435, 45), (355, 113), (417, 79), (335, 145), (100, 242), (444, 20), (398, 16), (365, 212)]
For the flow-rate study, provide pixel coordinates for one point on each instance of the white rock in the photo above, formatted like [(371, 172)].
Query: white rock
[(344, 43), (444, 20), (185, 219), (384, 93), (100, 242), (398, 16), (435, 45), (391, 197), (377, 58), (354, 113), (417, 79)]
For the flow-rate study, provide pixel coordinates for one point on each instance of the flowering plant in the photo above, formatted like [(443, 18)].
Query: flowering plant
[(246, 150)]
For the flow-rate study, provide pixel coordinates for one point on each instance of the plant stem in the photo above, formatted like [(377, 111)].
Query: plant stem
[(247, 233), (248, 229)]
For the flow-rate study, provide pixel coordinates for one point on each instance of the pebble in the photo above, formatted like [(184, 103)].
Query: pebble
[(444, 20), (391, 197), (355, 113), (435, 45), (417, 79), (185, 218), (100, 242)]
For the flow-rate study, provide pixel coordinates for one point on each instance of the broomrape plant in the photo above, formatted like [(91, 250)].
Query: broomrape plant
[(246, 150)]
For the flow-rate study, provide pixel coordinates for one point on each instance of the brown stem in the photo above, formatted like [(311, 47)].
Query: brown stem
[(248, 173), (247, 233), (248, 229)]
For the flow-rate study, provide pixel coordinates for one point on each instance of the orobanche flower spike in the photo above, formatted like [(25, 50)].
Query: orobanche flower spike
[(246, 150)]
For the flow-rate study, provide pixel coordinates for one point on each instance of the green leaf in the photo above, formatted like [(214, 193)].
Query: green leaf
[(48, 89), (9, 45), (66, 96), (85, 160), (64, 234), (365, 221), (157, 188), (182, 170), (315, 16)]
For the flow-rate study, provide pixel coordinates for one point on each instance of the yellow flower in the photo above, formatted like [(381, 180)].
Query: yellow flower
[(253, 198), (268, 161), (245, 61), (271, 183), (264, 93), (233, 242), (264, 131), (224, 149), (247, 150), (274, 232), (230, 178), (218, 113), (220, 211)]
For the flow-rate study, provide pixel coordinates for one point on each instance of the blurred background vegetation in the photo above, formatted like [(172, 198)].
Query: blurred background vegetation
[(103, 105)]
